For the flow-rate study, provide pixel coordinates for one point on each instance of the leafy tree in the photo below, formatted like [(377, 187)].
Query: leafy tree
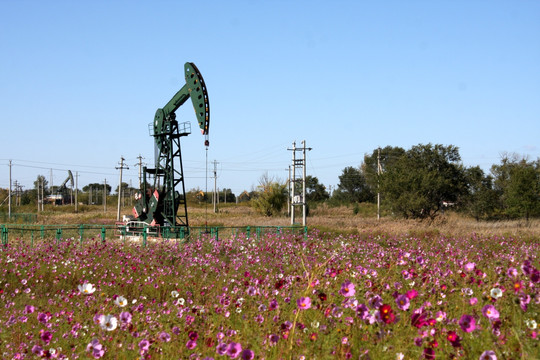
[(481, 198), (518, 183), (272, 196), (98, 187), (314, 190), (386, 157), (352, 186), (424, 177)]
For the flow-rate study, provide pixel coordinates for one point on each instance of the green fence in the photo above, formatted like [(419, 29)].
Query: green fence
[(84, 232)]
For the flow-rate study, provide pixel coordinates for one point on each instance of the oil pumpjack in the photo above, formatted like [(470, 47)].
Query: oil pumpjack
[(162, 202)]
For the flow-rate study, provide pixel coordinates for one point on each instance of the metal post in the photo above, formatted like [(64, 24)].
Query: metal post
[(304, 201), (105, 195), (120, 187), (9, 201), (293, 180)]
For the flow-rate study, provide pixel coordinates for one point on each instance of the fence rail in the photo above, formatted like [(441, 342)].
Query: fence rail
[(121, 231)]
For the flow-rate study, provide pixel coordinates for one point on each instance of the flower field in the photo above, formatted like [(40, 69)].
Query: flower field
[(319, 296)]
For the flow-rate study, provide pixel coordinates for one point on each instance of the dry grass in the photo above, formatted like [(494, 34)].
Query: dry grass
[(325, 218)]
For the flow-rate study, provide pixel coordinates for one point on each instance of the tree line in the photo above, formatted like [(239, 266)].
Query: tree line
[(424, 181)]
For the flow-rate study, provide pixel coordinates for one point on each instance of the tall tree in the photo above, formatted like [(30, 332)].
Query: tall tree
[(481, 199), (314, 190), (353, 187), (518, 183), (386, 157), (422, 179)]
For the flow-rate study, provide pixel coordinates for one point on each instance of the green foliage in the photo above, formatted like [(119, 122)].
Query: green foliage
[(352, 187), (272, 197), (386, 157), (481, 198), (518, 184), (418, 183)]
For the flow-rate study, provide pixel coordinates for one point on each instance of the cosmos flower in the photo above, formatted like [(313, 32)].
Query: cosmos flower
[(488, 355), (347, 289), (108, 322), (247, 354), (87, 289), (403, 302), (234, 350), (121, 301), (490, 312), (496, 293), (304, 303), (125, 317), (467, 323), (96, 349)]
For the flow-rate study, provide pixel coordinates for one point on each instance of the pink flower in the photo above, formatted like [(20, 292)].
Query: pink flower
[(46, 336), (234, 350), (467, 323), (347, 289), (191, 344), (470, 266), (490, 312), (303, 303), (473, 301)]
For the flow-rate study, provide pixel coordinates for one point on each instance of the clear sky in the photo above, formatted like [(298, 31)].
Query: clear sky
[(81, 80)]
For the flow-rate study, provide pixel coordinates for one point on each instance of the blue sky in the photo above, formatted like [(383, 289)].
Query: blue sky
[(81, 80)]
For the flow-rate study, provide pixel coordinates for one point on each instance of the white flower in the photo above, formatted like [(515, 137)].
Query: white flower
[(531, 324), (175, 294), (108, 322), (496, 293), (181, 301), (87, 288), (121, 301)]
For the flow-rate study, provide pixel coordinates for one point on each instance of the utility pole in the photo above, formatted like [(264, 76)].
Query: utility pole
[(9, 200), (215, 198), (140, 164), (122, 167), (298, 200), (105, 195), (43, 193), (379, 171), (76, 191)]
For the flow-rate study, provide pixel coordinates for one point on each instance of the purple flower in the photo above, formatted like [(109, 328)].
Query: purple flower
[(96, 349), (247, 355), (191, 344), (303, 303), (43, 318), (38, 350), (125, 317), (234, 350), (221, 349), (467, 323), (403, 302), (28, 309), (144, 345), (164, 336)]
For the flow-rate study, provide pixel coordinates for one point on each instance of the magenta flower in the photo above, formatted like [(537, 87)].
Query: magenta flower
[(164, 336), (234, 350), (467, 323), (347, 289), (191, 344), (46, 337), (38, 350), (28, 309), (411, 294), (304, 303), (490, 312), (247, 355)]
